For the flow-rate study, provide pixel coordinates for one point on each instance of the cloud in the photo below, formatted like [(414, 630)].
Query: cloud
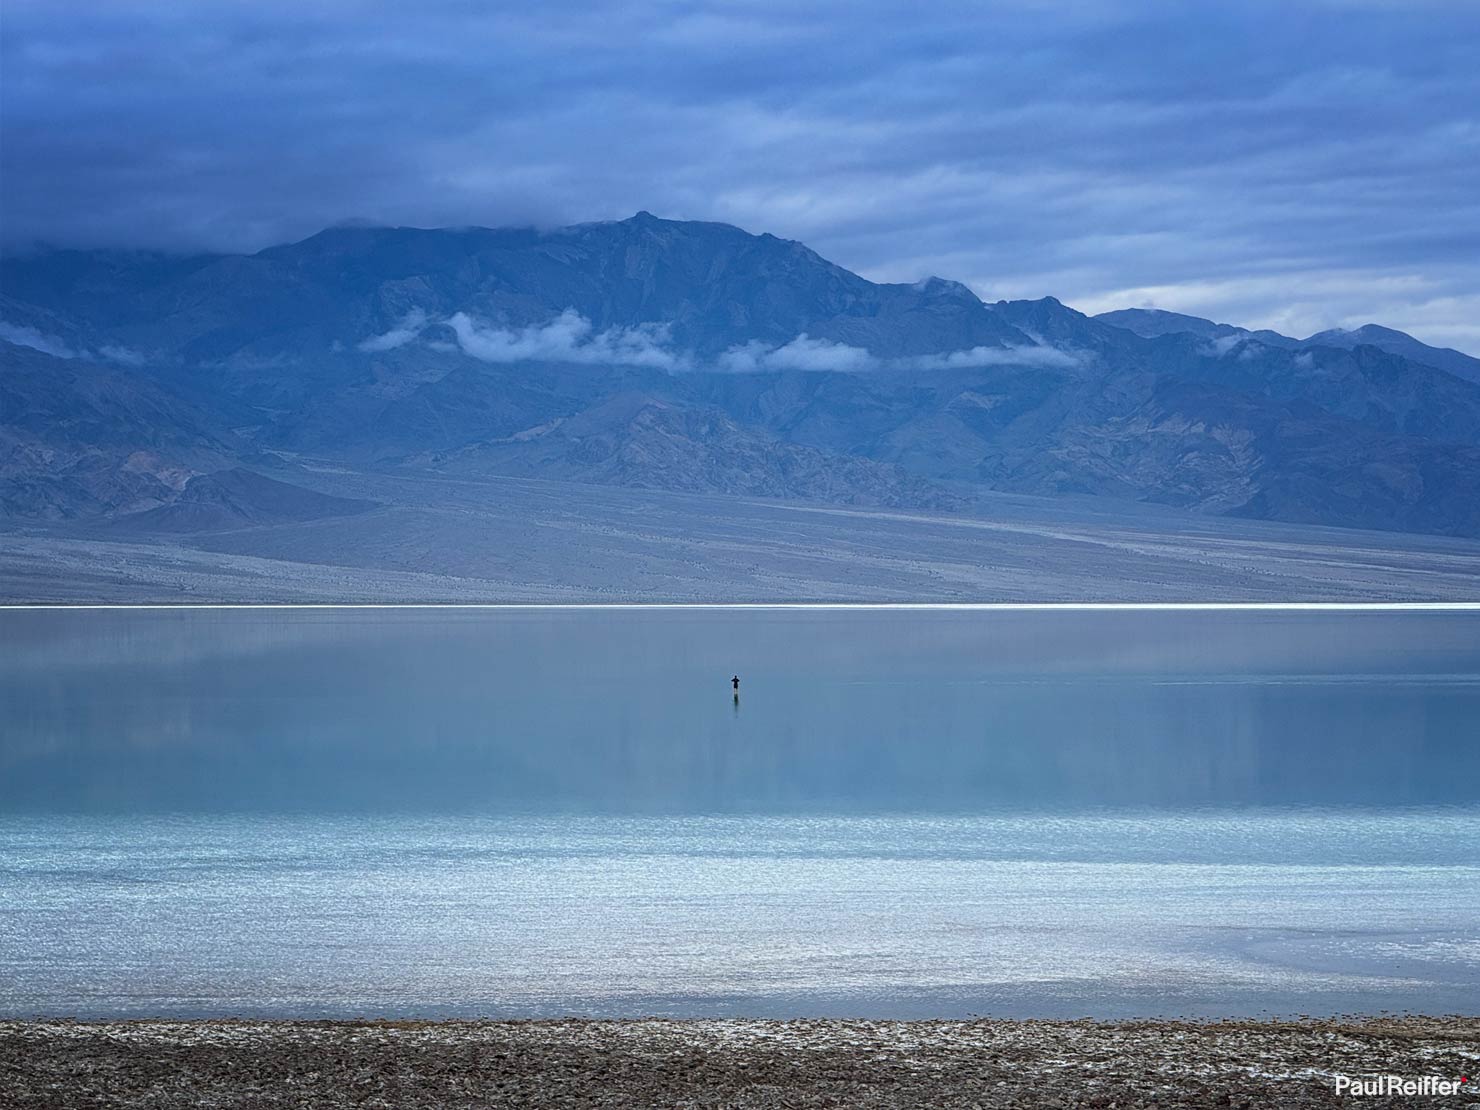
[(23, 336), (571, 338), (567, 338), (1221, 345), (408, 328), (805, 353), (999, 356), (126, 356), (802, 353)]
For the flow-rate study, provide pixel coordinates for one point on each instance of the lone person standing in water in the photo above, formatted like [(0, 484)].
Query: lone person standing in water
[(735, 682)]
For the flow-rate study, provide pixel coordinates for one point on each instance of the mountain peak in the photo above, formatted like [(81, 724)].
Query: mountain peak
[(1377, 331), (1153, 322), (945, 287), (1399, 343)]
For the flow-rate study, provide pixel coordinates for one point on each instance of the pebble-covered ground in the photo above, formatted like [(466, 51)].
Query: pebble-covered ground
[(985, 1063)]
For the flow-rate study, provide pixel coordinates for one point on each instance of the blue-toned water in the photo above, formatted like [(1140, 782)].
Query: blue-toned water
[(907, 813)]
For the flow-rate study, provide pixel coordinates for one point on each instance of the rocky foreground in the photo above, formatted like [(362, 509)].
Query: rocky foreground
[(986, 1063)]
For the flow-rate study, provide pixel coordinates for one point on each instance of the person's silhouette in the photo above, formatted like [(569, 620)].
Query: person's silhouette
[(735, 682)]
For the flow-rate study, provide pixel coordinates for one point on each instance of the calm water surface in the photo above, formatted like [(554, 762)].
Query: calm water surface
[(907, 814)]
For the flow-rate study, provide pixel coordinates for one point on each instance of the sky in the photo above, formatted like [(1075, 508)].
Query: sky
[(1296, 165)]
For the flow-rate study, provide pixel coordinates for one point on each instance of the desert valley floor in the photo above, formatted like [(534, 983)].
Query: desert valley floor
[(524, 540)]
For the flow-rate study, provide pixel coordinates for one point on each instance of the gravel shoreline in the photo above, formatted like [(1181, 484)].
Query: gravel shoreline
[(804, 1063)]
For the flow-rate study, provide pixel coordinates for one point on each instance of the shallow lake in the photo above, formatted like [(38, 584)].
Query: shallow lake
[(907, 813)]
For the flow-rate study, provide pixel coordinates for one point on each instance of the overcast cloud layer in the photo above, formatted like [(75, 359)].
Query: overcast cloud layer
[(1288, 165)]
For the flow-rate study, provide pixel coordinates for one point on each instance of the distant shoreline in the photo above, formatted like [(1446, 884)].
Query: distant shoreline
[(726, 1062)]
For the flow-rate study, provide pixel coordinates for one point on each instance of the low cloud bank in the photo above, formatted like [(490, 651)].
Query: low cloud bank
[(567, 338), (802, 353), (125, 355), (572, 338), (23, 336), (805, 353), (996, 356), (1217, 348), (410, 326)]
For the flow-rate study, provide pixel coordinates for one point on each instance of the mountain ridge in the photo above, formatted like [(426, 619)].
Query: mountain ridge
[(688, 356), (1151, 323)]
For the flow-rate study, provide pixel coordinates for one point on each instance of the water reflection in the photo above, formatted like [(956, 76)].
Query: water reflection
[(636, 711)]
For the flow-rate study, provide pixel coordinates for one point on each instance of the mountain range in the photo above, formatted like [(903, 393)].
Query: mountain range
[(144, 392)]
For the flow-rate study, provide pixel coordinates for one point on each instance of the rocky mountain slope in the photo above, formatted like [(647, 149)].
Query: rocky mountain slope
[(683, 356)]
